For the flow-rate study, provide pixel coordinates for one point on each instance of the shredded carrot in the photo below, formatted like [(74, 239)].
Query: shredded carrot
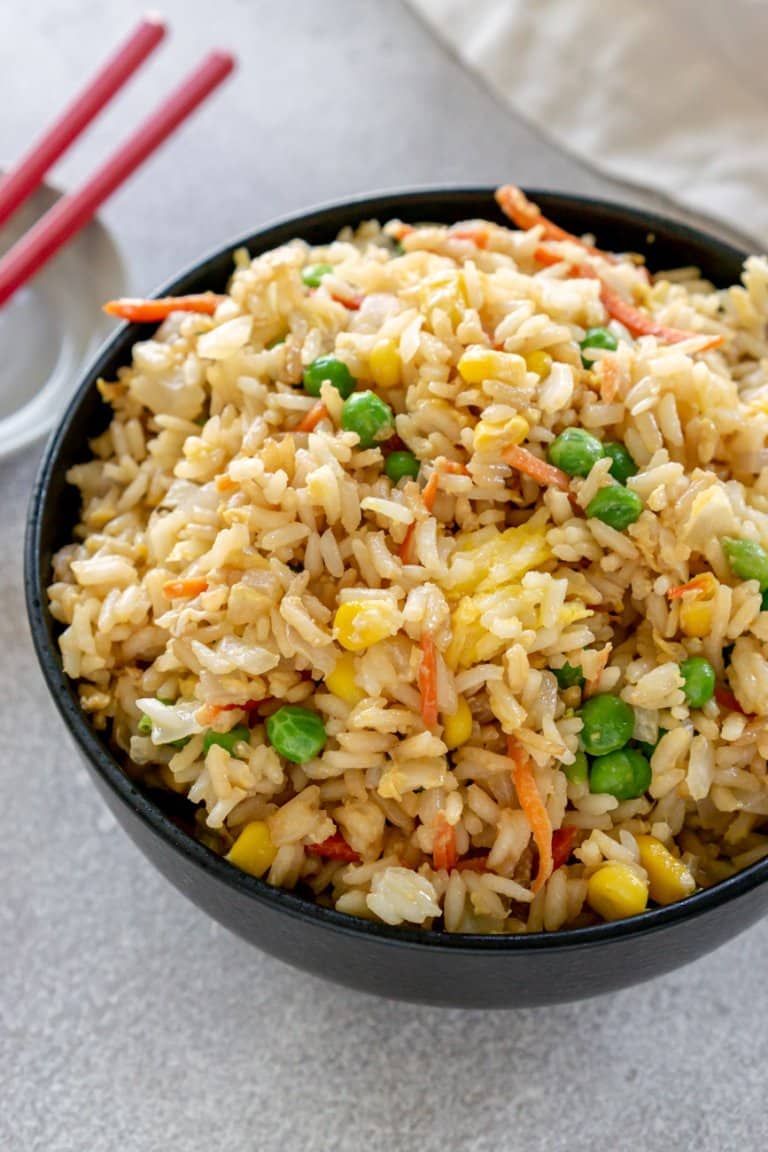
[(429, 492), (399, 230), (473, 864), (521, 211), (186, 588), (452, 468), (726, 699), (444, 853), (352, 300), (700, 583), (539, 470), (545, 256), (562, 846), (247, 706), (442, 467), (405, 546), (254, 705), (642, 324), (313, 417), (140, 311), (525, 214), (428, 680), (334, 848), (533, 806), (478, 236)]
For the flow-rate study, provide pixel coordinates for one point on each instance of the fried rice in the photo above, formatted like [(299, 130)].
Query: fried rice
[(245, 547)]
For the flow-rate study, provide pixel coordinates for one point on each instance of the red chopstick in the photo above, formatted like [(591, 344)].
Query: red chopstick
[(22, 180), (73, 212)]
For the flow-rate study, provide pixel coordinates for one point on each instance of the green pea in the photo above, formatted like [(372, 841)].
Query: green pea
[(397, 248), (608, 723), (313, 274), (575, 451), (578, 772), (624, 774), (616, 506), (333, 370), (226, 739), (597, 338), (568, 675), (367, 415), (698, 680), (748, 560), (764, 601), (622, 464), (296, 733), (401, 464)]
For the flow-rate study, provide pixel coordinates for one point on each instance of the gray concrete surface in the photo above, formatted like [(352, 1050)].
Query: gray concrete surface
[(128, 1021)]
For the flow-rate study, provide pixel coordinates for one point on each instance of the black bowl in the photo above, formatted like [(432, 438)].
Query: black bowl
[(431, 967)]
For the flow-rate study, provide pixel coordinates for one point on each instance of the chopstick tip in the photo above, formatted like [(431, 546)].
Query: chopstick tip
[(155, 20), (225, 60)]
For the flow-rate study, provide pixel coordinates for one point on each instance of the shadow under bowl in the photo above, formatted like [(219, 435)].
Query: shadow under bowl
[(406, 963)]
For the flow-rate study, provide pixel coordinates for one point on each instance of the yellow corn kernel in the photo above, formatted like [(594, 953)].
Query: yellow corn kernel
[(253, 851), (539, 362), (696, 608), (668, 878), (384, 363), (489, 437), (341, 682), (360, 623), (478, 364), (696, 617), (457, 728), (616, 891)]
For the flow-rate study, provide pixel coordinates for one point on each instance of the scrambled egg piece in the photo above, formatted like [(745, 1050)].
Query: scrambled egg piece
[(492, 566), (487, 559)]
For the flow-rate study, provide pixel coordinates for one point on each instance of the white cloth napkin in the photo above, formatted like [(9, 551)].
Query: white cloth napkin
[(668, 94)]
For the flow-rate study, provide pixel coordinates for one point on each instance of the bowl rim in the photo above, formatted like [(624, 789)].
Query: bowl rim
[(108, 767)]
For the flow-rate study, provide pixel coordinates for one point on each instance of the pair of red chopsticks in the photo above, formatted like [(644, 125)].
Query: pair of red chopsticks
[(72, 212)]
